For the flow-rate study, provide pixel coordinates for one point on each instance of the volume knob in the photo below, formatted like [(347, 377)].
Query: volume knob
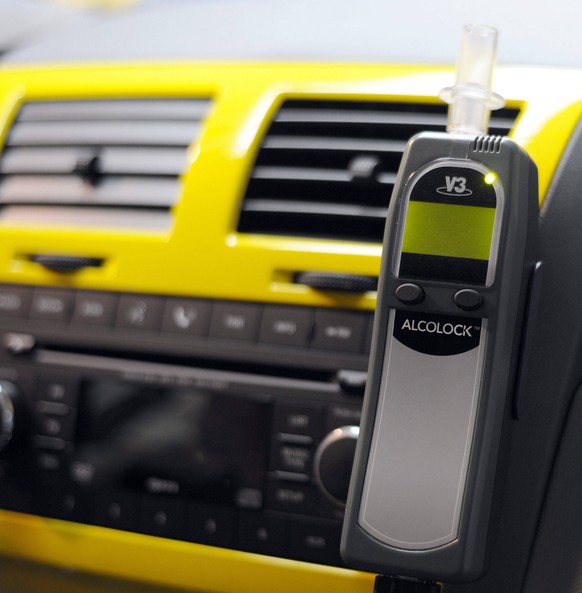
[(333, 463), (8, 405)]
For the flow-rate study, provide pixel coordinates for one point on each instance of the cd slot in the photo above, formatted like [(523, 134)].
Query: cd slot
[(232, 378)]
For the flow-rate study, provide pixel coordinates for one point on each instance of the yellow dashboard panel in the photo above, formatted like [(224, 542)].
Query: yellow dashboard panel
[(202, 254)]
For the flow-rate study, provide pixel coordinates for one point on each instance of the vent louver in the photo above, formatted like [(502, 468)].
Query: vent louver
[(326, 169), (114, 163)]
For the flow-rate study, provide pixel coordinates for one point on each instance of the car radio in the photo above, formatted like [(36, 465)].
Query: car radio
[(182, 418)]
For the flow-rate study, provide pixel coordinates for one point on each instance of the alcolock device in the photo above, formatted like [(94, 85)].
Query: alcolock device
[(459, 251)]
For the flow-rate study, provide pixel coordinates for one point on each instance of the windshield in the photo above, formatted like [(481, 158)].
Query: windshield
[(532, 32)]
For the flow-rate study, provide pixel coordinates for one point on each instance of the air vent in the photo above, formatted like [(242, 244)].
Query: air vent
[(326, 169), (113, 163)]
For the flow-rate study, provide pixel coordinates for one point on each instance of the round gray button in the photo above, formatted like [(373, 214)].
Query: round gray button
[(468, 299), (410, 294)]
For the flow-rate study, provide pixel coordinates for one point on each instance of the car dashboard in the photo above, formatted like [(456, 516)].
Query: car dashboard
[(188, 273)]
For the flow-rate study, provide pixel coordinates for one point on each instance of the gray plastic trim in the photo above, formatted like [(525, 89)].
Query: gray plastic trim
[(123, 109), (58, 216), (112, 191), (419, 457), (142, 160), (113, 154), (316, 208), (90, 133), (338, 116), (333, 144)]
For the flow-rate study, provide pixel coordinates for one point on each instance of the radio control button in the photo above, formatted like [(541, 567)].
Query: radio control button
[(50, 461), (288, 326), (70, 502), (51, 305), (235, 321), (95, 308), (352, 382), (118, 510), (264, 533), (298, 420), (292, 497), (54, 408), (292, 458), (291, 477), (18, 344), (187, 316), (249, 498), (15, 301), (212, 525), (315, 540), (295, 439), (164, 517), (44, 442), (140, 312), (340, 415), (57, 427), (341, 331), (57, 388)]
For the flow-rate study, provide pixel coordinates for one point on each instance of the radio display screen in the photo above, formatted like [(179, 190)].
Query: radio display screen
[(182, 441)]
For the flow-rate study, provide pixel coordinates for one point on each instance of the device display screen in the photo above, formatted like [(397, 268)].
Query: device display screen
[(449, 229)]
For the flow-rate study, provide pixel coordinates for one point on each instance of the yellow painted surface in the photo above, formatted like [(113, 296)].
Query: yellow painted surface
[(547, 146), (202, 255), (166, 562)]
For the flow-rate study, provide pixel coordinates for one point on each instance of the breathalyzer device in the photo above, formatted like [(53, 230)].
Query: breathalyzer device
[(458, 254)]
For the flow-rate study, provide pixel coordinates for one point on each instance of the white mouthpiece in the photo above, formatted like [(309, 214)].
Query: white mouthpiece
[(471, 99)]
